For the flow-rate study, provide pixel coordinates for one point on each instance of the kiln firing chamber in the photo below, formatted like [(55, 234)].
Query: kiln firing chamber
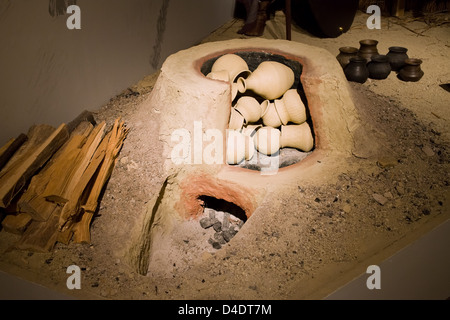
[(186, 97)]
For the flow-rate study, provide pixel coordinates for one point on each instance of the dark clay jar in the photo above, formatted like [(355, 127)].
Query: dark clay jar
[(411, 71), (379, 67), (345, 53), (397, 57), (367, 49), (356, 70)]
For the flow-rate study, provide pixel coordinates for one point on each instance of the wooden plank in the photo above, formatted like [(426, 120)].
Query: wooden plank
[(32, 201), (71, 169), (8, 150), (14, 178), (16, 224)]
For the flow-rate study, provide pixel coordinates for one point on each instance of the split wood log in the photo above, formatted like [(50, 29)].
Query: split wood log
[(8, 150), (16, 224), (70, 170), (32, 201), (13, 178), (85, 116), (41, 236), (72, 207), (115, 143)]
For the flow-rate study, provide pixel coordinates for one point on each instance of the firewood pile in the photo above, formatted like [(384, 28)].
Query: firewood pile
[(51, 180)]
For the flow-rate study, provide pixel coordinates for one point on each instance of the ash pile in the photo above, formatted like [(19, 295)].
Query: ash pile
[(224, 225)]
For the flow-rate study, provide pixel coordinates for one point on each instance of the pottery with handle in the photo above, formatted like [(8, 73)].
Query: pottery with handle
[(233, 64), (270, 80)]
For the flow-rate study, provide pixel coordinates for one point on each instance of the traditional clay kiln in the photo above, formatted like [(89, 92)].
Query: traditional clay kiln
[(191, 102)]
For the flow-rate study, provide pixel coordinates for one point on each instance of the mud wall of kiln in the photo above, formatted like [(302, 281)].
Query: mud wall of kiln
[(49, 74)]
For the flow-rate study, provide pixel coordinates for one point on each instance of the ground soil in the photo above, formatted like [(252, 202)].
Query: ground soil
[(310, 240)]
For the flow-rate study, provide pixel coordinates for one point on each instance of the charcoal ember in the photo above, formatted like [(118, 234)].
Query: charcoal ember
[(218, 236), (211, 213), (228, 235), (217, 226), (206, 223), (216, 245), (226, 221)]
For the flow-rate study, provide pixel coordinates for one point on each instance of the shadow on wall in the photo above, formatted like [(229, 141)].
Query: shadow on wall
[(59, 7)]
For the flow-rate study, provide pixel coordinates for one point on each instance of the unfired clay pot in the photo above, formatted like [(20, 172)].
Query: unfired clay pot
[(250, 108), (270, 80), (267, 140), (233, 64), (235, 147), (290, 108), (297, 136), (236, 120), (270, 115)]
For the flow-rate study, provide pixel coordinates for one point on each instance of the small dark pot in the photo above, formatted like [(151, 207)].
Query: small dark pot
[(379, 68), (411, 71), (356, 70), (345, 53), (397, 57), (367, 49)]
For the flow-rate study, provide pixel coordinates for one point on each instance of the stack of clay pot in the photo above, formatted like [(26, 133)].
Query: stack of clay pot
[(278, 121)]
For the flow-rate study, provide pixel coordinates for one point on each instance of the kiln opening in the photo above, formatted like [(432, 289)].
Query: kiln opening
[(222, 219), (270, 125)]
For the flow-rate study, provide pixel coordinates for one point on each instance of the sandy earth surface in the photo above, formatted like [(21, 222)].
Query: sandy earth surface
[(311, 240)]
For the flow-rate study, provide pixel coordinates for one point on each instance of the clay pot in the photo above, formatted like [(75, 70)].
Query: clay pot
[(233, 64), (270, 80), (379, 67), (270, 115), (290, 108), (356, 70), (367, 49), (234, 90), (411, 71), (397, 57), (235, 147), (267, 140), (250, 108), (297, 136), (345, 53), (250, 129), (236, 120)]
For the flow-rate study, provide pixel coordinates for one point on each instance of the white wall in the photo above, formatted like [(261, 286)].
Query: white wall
[(49, 74)]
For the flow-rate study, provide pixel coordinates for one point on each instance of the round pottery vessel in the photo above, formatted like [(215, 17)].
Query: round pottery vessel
[(281, 111), (250, 109), (233, 64), (356, 70), (235, 147), (270, 115), (297, 136), (293, 104), (236, 120), (249, 148), (367, 49), (250, 129), (267, 140), (345, 53), (411, 71), (270, 80), (379, 67), (234, 90), (397, 57)]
